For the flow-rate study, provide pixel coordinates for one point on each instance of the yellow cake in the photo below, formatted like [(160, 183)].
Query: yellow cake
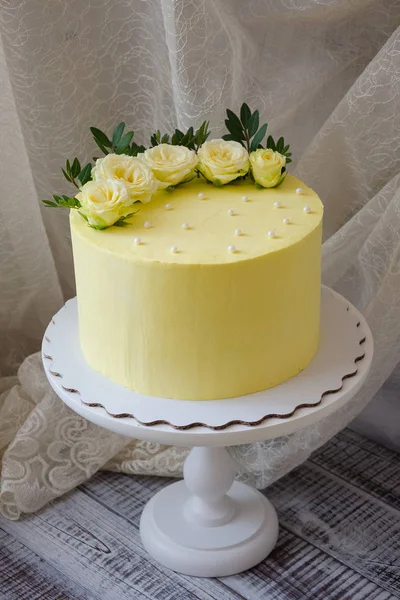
[(211, 292)]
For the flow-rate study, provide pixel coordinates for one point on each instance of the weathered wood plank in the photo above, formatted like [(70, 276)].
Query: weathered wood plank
[(25, 576), (371, 468), (102, 551), (343, 521), (297, 570)]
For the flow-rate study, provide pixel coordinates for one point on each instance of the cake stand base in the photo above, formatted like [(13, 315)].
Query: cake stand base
[(195, 528), (209, 552)]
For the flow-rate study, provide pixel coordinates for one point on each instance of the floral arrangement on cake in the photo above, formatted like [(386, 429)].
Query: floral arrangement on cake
[(130, 173)]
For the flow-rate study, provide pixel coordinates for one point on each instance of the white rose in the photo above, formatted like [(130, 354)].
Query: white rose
[(133, 172), (171, 164), (105, 201), (266, 167), (221, 161)]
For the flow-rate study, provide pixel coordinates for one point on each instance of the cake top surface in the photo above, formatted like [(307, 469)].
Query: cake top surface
[(226, 224)]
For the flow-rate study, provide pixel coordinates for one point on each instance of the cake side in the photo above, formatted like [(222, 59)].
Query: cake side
[(206, 321)]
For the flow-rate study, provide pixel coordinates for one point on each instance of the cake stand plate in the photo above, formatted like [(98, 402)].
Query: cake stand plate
[(342, 347), (208, 525)]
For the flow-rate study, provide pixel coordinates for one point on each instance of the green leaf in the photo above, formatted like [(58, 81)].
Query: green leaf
[(280, 145), (135, 149), (253, 123), (70, 202), (117, 133), (188, 139), (202, 134), (270, 143), (124, 142), (156, 138), (100, 138), (102, 148), (86, 174), (257, 139), (83, 216), (71, 171), (63, 202), (98, 227), (76, 168), (67, 177), (245, 114), (235, 129), (177, 137), (228, 137), (122, 220), (234, 119)]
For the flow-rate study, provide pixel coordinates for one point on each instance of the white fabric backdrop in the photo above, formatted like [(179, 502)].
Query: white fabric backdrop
[(324, 73)]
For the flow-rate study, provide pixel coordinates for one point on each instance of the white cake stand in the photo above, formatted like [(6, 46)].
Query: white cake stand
[(210, 525)]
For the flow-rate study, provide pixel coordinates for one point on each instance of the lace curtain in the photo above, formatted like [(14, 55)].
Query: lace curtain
[(325, 73)]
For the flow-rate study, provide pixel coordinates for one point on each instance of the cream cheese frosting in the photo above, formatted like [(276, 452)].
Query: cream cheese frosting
[(210, 292)]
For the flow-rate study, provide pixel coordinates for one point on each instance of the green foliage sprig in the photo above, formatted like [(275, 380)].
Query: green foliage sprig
[(120, 142), (62, 202), (280, 147), (246, 130), (120, 223), (191, 139), (74, 171)]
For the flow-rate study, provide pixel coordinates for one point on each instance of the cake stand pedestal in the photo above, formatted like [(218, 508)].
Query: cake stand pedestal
[(209, 525)]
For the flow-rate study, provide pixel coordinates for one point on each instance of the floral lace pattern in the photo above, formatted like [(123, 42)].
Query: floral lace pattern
[(324, 72)]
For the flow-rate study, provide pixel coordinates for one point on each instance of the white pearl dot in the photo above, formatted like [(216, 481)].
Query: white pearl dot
[(137, 241), (200, 195), (168, 206), (147, 224), (185, 226), (307, 210), (231, 249), (299, 191), (231, 212), (245, 198), (271, 233), (286, 221), (174, 249), (277, 204), (238, 232)]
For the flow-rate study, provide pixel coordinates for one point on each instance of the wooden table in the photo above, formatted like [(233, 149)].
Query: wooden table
[(86, 546)]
